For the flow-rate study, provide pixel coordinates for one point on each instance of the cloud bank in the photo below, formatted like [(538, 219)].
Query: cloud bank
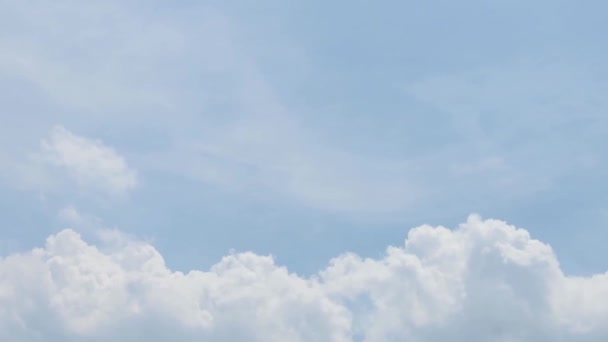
[(483, 281)]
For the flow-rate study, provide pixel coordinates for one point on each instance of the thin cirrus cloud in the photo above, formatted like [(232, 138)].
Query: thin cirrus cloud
[(485, 280), (259, 147), (89, 163), (273, 154)]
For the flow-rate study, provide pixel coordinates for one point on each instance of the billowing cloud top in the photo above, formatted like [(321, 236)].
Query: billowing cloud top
[(484, 281)]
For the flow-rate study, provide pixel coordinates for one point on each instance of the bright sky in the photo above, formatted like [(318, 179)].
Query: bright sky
[(239, 170)]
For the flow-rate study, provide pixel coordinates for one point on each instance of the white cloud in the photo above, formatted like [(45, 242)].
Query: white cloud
[(89, 162), (484, 281), (167, 66)]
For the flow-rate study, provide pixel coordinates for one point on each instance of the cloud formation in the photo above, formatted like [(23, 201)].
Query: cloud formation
[(90, 163), (485, 281), (162, 64)]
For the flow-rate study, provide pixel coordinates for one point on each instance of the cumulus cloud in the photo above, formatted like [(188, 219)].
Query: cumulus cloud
[(483, 281), (90, 163)]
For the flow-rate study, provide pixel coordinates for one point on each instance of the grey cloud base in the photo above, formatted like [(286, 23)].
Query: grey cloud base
[(483, 281)]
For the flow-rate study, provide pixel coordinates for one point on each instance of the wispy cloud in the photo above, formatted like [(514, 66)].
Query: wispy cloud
[(90, 163), (273, 154), (258, 145), (521, 126), (517, 108)]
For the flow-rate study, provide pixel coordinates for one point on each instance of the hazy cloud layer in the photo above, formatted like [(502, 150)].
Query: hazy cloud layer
[(484, 281)]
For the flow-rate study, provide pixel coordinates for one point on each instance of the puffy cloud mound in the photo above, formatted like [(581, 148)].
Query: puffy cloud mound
[(483, 281)]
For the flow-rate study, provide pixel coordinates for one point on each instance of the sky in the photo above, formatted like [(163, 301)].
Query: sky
[(303, 170)]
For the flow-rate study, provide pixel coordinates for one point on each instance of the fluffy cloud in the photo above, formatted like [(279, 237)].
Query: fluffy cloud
[(484, 281), (89, 162)]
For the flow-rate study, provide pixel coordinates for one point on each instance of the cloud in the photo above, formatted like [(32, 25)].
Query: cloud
[(484, 280), (91, 163), (276, 155), (195, 63)]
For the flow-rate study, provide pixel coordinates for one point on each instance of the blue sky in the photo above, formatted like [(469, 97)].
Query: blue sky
[(303, 129)]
